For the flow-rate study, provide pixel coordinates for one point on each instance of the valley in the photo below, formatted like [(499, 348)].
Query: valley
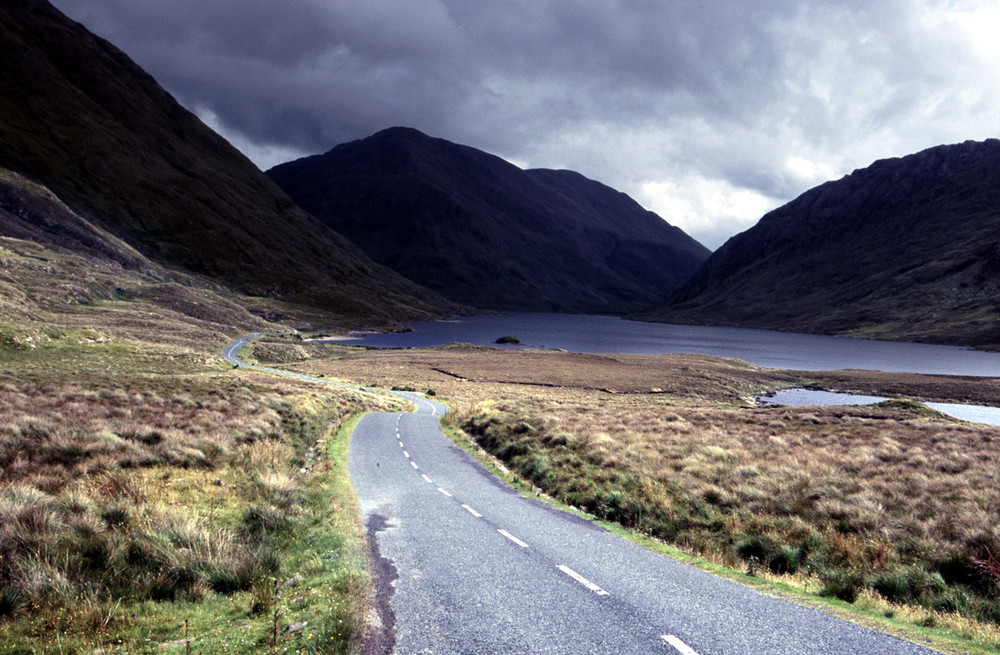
[(157, 495)]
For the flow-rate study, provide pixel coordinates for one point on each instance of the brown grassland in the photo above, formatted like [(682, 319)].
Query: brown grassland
[(149, 493), (893, 504)]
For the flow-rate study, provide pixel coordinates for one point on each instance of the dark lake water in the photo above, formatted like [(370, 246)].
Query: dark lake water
[(605, 334)]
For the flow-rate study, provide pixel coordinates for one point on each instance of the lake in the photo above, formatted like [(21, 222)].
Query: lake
[(768, 348)]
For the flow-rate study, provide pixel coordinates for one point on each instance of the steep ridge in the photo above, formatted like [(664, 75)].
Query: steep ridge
[(907, 248), (486, 233), (78, 116)]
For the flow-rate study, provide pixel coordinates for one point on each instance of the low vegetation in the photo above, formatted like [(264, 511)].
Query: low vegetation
[(893, 503), (885, 497), (152, 498), (175, 508)]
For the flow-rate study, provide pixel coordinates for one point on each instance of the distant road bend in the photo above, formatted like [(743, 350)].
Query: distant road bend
[(467, 565)]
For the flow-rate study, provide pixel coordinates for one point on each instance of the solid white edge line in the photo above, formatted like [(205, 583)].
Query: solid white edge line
[(513, 538), (582, 580), (444, 491), (681, 647), (426, 479), (472, 511), (414, 465)]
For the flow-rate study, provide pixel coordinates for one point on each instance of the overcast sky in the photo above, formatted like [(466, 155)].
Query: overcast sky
[(708, 112)]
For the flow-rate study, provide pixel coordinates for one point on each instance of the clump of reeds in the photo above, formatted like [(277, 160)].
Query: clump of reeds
[(54, 548)]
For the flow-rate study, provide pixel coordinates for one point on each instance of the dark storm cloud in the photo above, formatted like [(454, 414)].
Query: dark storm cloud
[(707, 112)]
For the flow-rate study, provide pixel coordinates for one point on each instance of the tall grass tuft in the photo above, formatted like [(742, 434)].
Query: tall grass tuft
[(87, 476)]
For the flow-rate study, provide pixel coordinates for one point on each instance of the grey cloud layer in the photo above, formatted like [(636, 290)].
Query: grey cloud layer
[(625, 92)]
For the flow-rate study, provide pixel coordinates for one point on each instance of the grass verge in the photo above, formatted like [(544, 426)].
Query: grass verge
[(939, 582), (258, 550)]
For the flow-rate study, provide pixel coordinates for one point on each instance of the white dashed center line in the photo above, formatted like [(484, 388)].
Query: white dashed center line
[(445, 492), (681, 647), (472, 511), (426, 479), (582, 580), (406, 454), (513, 538), (414, 465)]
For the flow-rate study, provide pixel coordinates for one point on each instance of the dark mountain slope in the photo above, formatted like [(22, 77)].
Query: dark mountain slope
[(78, 116), (484, 232), (58, 271), (906, 249)]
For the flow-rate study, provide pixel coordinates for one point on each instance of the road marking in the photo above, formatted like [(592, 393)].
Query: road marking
[(400, 444), (444, 491), (472, 511), (582, 580), (426, 479), (681, 647), (406, 454), (414, 465), (513, 538)]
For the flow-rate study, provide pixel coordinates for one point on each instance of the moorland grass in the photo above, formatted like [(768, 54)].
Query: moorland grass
[(892, 503), (151, 494), (898, 503), (125, 512)]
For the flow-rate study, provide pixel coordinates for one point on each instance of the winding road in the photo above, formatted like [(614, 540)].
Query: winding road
[(464, 564)]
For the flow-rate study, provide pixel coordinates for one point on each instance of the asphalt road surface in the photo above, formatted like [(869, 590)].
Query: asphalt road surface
[(468, 565), (464, 564)]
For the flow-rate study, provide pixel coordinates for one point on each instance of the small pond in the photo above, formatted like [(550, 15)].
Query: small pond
[(799, 397)]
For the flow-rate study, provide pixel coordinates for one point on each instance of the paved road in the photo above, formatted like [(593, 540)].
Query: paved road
[(466, 565), (481, 569)]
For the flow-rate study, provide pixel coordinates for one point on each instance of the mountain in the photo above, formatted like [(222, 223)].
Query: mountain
[(486, 233), (908, 248), (80, 118), (56, 267)]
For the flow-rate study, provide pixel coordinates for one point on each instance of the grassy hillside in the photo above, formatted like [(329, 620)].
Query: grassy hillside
[(77, 115), (907, 248), (485, 233)]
